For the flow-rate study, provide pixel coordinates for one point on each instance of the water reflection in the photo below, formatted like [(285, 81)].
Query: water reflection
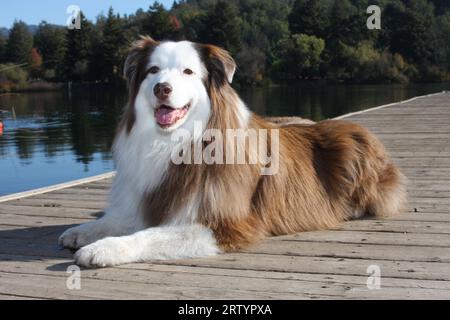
[(327, 101), (58, 137)]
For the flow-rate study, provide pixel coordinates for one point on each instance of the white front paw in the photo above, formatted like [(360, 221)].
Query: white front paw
[(103, 253)]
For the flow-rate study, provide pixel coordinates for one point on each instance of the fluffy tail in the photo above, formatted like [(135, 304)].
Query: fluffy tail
[(389, 199)]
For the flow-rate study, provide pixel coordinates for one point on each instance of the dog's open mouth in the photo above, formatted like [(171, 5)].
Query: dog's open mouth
[(167, 116)]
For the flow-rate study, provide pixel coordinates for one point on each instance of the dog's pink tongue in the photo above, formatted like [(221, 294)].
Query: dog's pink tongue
[(167, 116)]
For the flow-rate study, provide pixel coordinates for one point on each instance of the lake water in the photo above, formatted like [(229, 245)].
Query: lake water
[(58, 137)]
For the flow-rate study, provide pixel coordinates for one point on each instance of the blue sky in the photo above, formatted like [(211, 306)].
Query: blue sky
[(54, 11)]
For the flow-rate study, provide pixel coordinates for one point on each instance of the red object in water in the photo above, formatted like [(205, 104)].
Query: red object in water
[(1, 128)]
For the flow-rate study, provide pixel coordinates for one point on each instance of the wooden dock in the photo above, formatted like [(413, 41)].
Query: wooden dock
[(412, 251)]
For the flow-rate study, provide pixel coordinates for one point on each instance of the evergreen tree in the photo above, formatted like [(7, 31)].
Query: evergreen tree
[(77, 51), (443, 41), (344, 19), (159, 23), (309, 17), (441, 6), (221, 26), (409, 30), (19, 44), (50, 42), (112, 48), (2, 49)]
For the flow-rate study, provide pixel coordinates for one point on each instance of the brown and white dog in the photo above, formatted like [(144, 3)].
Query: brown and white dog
[(327, 172)]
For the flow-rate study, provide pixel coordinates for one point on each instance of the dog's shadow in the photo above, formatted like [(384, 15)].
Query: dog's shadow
[(34, 244)]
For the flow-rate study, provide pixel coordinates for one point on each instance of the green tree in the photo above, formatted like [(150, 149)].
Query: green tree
[(221, 26), (12, 77), (19, 44), (348, 23), (264, 23), (110, 49), (299, 57), (159, 23), (309, 17), (252, 65), (50, 42), (77, 51), (346, 31), (441, 6), (409, 30), (443, 45), (364, 63), (2, 49)]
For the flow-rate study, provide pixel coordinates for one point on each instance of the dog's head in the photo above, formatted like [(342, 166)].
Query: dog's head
[(170, 83)]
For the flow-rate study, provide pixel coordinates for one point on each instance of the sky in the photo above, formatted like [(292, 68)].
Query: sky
[(54, 11)]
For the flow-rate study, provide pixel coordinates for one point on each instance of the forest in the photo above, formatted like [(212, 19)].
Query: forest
[(273, 41)]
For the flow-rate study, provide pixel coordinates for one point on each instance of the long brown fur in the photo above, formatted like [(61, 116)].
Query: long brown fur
[(329, 172), (135, 72)]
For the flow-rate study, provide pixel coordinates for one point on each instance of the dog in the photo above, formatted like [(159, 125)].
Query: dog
[(328, 172)]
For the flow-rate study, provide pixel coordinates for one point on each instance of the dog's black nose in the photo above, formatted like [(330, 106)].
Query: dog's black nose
[(162, 90)]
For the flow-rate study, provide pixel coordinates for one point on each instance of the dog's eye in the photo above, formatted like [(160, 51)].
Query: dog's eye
[(153, 70), (188, 71)]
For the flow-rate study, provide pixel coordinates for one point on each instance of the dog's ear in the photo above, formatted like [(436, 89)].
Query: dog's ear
[(137, 59), (134, 72), (219, 63)]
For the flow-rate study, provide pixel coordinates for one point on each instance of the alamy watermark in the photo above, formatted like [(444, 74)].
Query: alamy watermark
[(73, 281), (229, 147), (374, 280), (73, 22), (374, 21)]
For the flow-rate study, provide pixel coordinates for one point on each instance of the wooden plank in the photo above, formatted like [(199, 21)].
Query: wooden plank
[(37, 221), (279, 283), (423, 216), (444, 202), (82, 191), (370, 237), (414, 137), (419, 153), (18, 297), (420, 207), (361, 251), (421, 184), (344, 266), (51, 287), (58, 212), (56, 197), (319, 277), (398, 226), (419, 110), (43, 203), (432, 194)]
